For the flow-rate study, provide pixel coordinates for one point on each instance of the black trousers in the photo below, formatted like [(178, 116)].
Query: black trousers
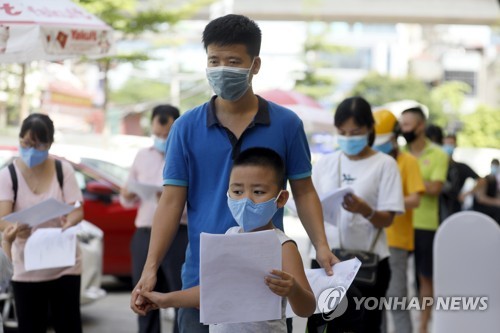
[(168, 276), (60, 298), (356, 320)]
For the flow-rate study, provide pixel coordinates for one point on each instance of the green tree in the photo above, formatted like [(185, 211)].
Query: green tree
[(136, 90), (380, 89), (317, 48), (131, 18), (481, 128)]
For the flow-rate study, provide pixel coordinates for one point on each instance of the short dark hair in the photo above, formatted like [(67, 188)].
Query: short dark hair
[(40, 126), (451, 136), (233, 29), (495, 161), (263, 157), (417, 110), (164, 112), (435, 134), (358, 109)]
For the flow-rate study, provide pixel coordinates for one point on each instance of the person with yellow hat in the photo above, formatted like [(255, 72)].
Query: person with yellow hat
[(400, 235)]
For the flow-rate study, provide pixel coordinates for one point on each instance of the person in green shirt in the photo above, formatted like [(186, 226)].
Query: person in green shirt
[(433, 162)]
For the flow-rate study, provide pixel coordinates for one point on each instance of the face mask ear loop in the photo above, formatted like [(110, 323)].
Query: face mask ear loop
[(250, 73), (278, 196)]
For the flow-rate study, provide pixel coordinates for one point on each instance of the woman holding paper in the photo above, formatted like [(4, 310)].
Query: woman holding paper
[(362, 215), (34, 178)]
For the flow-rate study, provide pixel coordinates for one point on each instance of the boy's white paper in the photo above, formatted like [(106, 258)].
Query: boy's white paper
[(331, 203), (50, 248), (147, 192), (344, 273), (232, 277), (40, 213)]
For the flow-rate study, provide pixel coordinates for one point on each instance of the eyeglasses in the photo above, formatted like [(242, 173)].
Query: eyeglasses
[(37, 145)]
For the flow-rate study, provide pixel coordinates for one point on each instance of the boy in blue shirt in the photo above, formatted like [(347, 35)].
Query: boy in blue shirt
[(255, 194)]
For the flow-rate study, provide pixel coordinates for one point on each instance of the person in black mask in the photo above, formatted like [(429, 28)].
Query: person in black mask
[(433, 162)]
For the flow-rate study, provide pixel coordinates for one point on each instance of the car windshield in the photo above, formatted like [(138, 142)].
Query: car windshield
[(116, 173)]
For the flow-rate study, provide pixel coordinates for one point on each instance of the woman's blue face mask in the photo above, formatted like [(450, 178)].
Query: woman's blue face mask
[(352, 145), (32, 156)]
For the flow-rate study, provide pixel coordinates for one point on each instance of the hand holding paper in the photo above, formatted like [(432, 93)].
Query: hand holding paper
[(343, 274), (40, 213), (145, 191), (50, 248), (331, 203), (232, 272)]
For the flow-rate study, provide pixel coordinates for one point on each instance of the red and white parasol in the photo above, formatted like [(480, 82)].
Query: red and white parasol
[(50, 30), (313, 115)]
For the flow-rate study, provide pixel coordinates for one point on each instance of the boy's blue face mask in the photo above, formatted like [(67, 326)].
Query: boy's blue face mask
[(230, 83), (33, 157), (250, 215), (352, 145), (385, 148), (449, 149)]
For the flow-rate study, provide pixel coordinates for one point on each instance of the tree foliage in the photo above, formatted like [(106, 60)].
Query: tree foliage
[(139, 90), (481, 128), (132, 18), (380, 89)]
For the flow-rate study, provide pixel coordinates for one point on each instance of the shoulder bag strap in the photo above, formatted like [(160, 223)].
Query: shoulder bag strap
[(379, 230), (13, 176)]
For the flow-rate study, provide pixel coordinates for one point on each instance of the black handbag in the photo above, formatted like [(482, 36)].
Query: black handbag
[(367, 274)]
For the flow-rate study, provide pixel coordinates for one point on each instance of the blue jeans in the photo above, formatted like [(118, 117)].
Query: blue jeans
[(189, 321)]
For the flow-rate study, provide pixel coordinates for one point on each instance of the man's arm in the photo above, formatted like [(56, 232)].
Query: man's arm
[(187, 298), (433, 187), (412, 201), (311, 215), (165, 224)]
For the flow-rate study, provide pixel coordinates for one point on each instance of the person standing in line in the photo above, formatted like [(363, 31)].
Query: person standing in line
[(433, 162), (201, 149), (40, 177), (451, 198), (254, 195), (400, 235), (487, 193), (377, 197), (147, 169)]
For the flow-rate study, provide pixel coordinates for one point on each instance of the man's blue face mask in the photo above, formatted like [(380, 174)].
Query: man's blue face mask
[(230, 83), (250, 215), (385, 148), (160, 144)]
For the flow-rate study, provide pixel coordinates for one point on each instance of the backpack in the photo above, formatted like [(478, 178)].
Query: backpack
[(13, 176)]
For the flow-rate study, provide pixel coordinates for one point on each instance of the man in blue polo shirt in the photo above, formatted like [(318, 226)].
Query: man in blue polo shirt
[(202, 145)]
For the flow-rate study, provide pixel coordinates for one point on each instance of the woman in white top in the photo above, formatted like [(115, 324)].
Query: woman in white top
[(377, 196)]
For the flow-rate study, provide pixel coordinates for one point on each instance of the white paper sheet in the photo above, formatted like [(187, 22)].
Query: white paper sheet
[(39, 213), (343, 275), (330, 203), (147, 192), (232, 277), (50, 248)]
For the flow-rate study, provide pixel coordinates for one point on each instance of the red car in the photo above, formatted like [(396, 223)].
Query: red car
[(100, 183)]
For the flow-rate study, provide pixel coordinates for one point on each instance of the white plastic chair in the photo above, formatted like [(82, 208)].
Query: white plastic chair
[(466, 263)]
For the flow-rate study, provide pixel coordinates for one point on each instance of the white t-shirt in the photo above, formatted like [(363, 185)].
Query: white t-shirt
[(376, 180)]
